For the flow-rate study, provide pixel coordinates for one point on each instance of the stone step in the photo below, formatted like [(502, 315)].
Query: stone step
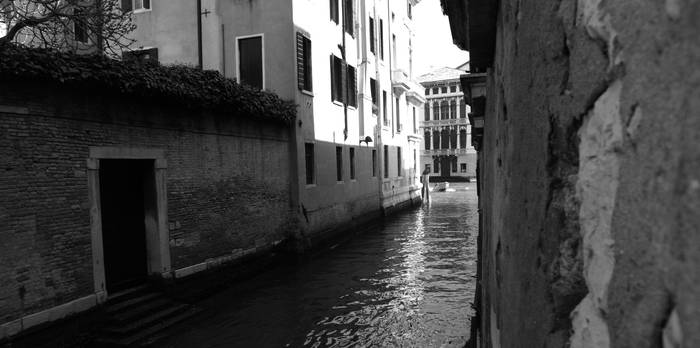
[(127, 294), (147, 336), (146, 321), (140, 311), (121, 306)]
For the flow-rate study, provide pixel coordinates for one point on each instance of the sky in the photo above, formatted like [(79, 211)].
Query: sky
[(433, 47)]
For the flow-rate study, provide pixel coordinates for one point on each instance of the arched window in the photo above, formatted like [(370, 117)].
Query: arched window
[(444, 110), (436, 139), (445, 141), (427, 139), (453, 138), (453, 109), (463, 138)]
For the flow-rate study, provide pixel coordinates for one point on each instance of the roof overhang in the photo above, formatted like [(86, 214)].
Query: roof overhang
[(473, 26)]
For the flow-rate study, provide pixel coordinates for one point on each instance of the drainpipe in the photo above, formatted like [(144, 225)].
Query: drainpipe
[(199, 34)]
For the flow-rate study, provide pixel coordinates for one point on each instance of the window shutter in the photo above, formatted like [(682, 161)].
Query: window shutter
[(352, 86), (309, 82), (344, 82), (126, 5), (300, 61), (333, 90)]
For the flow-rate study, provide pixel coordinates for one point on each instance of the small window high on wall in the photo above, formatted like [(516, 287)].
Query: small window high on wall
[(250, 69)]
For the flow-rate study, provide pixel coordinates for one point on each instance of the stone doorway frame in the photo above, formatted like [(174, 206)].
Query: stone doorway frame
[(157, 234)]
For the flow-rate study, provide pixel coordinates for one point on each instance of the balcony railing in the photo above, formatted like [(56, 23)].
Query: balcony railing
[(446, 152), (447, 122)]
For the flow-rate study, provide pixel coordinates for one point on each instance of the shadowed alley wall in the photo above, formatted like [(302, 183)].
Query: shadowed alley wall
[(590, 186)]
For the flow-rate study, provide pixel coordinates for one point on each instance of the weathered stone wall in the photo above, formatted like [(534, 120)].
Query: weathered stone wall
[(227, 186), (591, 188)]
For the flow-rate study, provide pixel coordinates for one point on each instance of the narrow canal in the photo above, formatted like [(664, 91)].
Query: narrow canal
[(408, 284)]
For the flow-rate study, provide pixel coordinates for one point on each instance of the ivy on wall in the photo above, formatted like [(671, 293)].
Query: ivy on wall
[(184, 85)]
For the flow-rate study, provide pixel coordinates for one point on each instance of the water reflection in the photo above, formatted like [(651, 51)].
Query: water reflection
[(408, 285)]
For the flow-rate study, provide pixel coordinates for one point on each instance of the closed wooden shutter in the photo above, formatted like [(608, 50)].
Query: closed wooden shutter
[(344, 82), (352, 86), (300, 61), (333, 90)]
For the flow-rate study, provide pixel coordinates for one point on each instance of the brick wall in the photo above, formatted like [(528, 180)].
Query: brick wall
[(227, 186)]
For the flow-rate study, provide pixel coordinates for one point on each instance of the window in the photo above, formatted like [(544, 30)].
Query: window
[(136, 5), (142, 5), (352, 163), (304, 65), (374, 163), (436, 139), (343, 82), (371, 36), (462, 108), (339, 163), (394, 58), (463, 138), (426, 135), (454, 164), (427, 91), (386, 117), (398, 115), (386, 161), (410, 9), (309, 155), (443, 90), (436, 90), (352, 86), (436, 165), (463, 167), (445, 139), (381, 39), (250, 61), (415, 128), (334, 11), (375, 98), (453, 138), (427, 111), (348, 17), (337, 79), (453, 88), (80, 33), (453, 109), (399, 169), (444, 110)]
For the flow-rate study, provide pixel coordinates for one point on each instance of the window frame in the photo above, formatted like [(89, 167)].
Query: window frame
[(142, 8), (351, 154), (307, 52), (238, 56), (339, 164), (312, 174)]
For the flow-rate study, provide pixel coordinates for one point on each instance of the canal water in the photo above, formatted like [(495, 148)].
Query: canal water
[(409, 284)]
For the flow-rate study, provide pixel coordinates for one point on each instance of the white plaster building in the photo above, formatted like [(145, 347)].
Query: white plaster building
[(346, 63), (448, 152)]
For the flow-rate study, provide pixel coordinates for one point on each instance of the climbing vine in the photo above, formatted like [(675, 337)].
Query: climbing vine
[(184, 85)]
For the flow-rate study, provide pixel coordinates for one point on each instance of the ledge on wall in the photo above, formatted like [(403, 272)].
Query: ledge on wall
[(182, 85)]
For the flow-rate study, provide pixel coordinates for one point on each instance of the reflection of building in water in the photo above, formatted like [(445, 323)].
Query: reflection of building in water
[(447, 152)]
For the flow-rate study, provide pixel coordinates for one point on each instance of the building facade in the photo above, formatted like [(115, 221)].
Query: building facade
[(346, 63), (447, 133)]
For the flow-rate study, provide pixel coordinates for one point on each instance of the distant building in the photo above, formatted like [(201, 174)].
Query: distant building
[(448, 150)]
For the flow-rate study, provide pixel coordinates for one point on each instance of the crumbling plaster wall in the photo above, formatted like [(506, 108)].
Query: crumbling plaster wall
[(591, 188)]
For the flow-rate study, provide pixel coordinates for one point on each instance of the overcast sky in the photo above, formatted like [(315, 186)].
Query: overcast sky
[(434, 48)]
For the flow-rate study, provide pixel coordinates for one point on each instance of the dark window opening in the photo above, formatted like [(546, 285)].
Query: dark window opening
[(352, 163), (250, 64), (453, 109), (463, 167), (462, 108), (436, 90), (371, 36), (348, 17), (426, 135), (309, 155), (398, 115), (339, 163), (386, 161), (399, 166), (453, 89), (381, 39), (374, 163), (436, 139), (384, 109), (427, 112)]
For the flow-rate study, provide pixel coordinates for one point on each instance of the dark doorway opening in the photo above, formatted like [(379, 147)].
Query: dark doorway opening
[(445, 166), (127, 195)]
